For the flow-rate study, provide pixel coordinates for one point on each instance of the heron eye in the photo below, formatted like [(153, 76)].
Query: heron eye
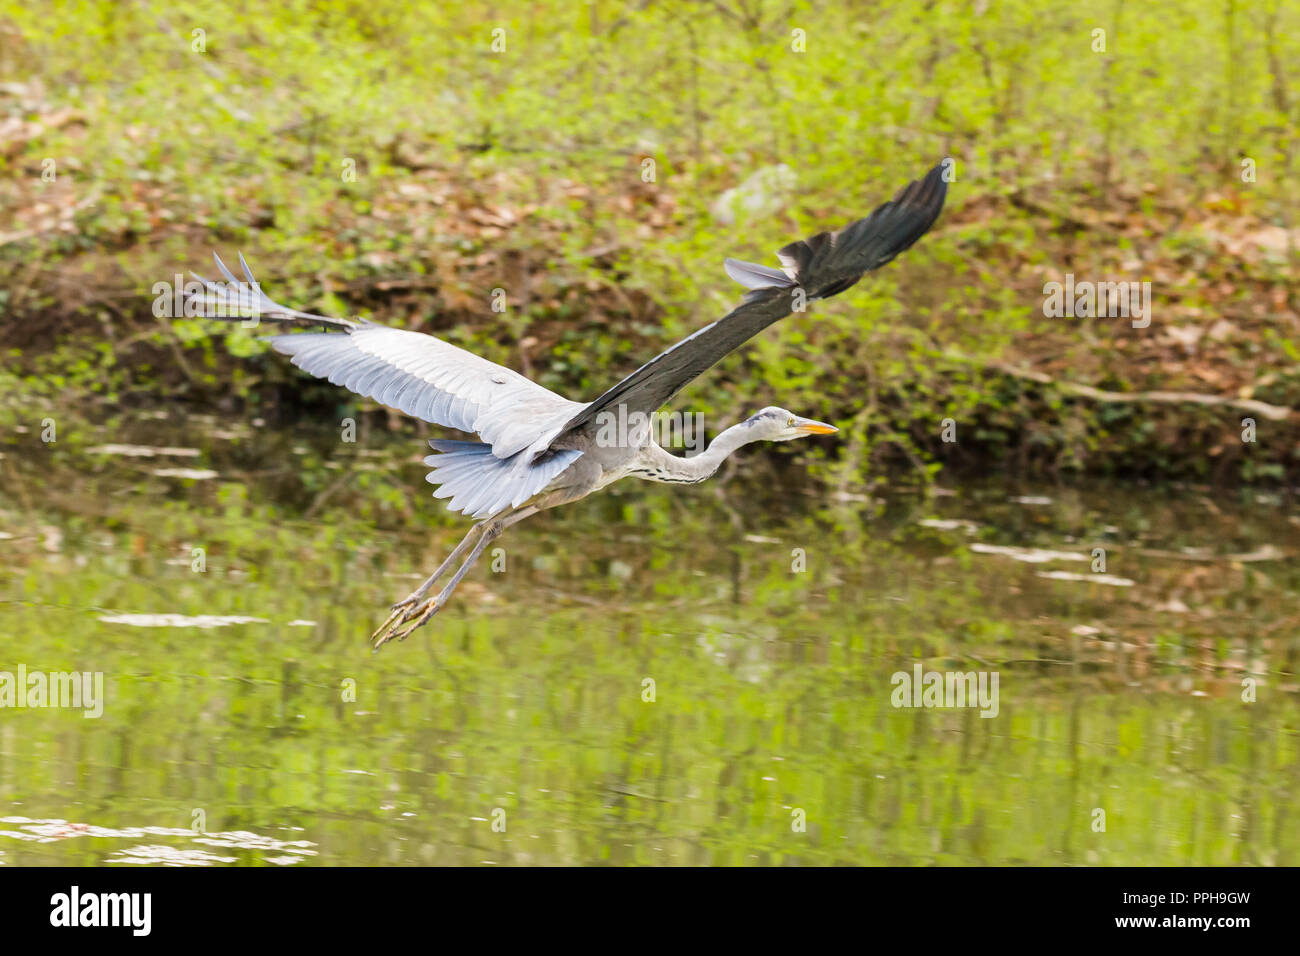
[(790, 424)]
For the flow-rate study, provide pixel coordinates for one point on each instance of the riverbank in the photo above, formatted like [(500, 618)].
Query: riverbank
[(593, 216)]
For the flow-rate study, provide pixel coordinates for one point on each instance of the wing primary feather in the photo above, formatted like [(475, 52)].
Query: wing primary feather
[(818, 267)]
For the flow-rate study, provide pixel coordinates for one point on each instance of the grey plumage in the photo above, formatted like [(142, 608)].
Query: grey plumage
[(539, 449), (753, 276), (439, 383), (481, 484), (820, 267)]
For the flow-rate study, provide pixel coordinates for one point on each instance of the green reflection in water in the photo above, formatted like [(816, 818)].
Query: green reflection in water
[(524, 703)]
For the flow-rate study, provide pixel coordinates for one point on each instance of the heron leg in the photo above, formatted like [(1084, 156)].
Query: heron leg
[(404, 611), (415, 597)]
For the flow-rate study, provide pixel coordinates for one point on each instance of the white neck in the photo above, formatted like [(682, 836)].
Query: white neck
[(673, 469)]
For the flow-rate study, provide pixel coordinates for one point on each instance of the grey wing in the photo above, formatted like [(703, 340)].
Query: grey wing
[(243, 299), (830, 262), (654, 383), (481, 484), (753, 276), (819, 267), (433, 380), (421, 375)]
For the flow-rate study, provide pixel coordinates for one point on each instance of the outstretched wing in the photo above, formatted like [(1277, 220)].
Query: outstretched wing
[(815, 268), (432, 380), (416, 373)]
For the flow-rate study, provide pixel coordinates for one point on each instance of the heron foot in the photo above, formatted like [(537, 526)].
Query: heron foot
[(425, 611), (406, 610), (394, 619)]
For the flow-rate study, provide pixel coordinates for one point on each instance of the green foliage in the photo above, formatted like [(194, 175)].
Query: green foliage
[(246, 144)]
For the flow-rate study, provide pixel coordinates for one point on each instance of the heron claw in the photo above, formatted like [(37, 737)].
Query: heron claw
[(426, 611), (403, 611), (381, 634)]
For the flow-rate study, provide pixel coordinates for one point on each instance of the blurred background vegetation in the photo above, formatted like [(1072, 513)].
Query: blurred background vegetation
[(517, 160), (136, 138)]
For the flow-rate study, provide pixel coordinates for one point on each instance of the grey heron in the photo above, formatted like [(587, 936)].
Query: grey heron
[(536, 449)]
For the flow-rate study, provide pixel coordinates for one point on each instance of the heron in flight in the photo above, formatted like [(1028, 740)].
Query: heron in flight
[(537, 449)]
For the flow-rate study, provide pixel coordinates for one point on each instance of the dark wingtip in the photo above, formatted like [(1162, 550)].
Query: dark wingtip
[(873, 241)]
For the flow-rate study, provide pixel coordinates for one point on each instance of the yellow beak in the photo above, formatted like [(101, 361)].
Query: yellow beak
[(811, 427)]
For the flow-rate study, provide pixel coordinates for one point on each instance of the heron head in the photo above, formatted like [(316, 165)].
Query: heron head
[(778, 424)]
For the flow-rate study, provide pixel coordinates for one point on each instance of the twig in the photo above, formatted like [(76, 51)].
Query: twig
[(1276, 413)]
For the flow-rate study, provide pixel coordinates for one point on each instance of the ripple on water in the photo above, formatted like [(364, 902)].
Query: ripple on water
[(194, 474), (277, 852), (180, 620), (1110, 579), (143, 451), (1030, 555)]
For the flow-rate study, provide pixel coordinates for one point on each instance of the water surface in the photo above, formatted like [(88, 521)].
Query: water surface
[(651, 676)]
